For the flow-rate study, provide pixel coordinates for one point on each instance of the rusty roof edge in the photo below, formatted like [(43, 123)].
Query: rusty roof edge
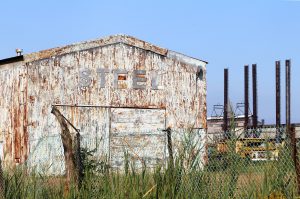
[(12, 60), (186, 59), (132, 41), (109, 40)]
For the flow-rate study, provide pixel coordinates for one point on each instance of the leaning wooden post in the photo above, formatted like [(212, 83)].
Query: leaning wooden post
[(67, 146)]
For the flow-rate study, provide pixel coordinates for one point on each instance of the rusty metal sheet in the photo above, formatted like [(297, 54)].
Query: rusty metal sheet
[(13, 119), (140, 133)]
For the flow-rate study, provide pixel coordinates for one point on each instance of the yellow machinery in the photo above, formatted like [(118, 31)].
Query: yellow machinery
[(254, 148)]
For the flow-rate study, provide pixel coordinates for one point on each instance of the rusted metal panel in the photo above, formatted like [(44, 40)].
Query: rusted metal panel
[(14, 113), (117, 71), (140, 133)]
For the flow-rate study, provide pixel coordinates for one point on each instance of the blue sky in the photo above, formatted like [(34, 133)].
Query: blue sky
[(225, 33)]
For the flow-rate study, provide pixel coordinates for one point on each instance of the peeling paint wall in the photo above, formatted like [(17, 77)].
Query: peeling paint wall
[(14, 115), (159, 83), (139, 132)]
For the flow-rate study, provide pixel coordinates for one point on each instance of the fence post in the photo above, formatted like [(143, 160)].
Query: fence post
[(79, 163), (2, 193), (170, 148), (295, 155)]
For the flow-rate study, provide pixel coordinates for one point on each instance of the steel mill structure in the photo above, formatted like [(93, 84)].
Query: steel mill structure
[(120, 92)]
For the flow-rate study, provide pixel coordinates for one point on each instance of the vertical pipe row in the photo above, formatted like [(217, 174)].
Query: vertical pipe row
[(225, 115), (254, 92), (246, 96)]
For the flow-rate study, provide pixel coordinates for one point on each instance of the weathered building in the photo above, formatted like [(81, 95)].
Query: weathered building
[(119, 91)]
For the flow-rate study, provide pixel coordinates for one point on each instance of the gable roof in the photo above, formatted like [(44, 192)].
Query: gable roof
[(110, 40)]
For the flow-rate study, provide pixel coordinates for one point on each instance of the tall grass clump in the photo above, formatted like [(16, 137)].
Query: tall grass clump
[(220, 176)]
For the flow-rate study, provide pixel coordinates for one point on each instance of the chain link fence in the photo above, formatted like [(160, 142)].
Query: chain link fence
[(257, 164), (248, 165)]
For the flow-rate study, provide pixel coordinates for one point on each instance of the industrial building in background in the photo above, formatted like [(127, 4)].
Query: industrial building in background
[(252, 137), (236, 120), (120, 92)]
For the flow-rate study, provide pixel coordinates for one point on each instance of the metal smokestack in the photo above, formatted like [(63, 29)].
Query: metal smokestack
[(246, 96), (225, 115), (254, 92)]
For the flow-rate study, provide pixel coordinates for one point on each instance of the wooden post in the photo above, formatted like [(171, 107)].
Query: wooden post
[(66, 138)]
